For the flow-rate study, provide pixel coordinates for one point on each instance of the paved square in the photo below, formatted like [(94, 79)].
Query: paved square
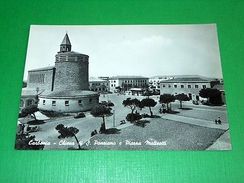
[(187, 130)]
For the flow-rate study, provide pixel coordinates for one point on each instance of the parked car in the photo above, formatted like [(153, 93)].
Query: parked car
[(80, 115)]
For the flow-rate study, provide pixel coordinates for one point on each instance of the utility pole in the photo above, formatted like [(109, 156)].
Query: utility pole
[(113, 118)]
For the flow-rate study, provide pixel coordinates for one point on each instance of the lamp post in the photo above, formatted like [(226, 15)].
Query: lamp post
[(113, 118)]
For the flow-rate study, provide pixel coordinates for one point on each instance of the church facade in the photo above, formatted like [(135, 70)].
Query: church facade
[(65, 86)]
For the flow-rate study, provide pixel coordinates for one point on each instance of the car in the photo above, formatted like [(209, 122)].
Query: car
[(80, 115)]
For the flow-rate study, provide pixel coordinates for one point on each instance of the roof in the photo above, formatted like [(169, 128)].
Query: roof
[(42, 68), (188, 79), (71, 53), (93, 79), (128, 77), (136, 89), (66, 40), (30, 92), (68, 94)]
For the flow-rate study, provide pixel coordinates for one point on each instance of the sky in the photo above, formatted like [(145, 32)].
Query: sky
[(141, 50)]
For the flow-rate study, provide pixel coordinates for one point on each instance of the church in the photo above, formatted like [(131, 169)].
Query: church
[(61, 88)]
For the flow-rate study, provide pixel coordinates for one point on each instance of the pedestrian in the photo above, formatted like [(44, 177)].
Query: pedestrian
[(219, 121)]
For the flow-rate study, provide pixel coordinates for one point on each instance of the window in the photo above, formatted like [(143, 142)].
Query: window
[(182, 86), (54, 103), (175, 86), (169, 86), (66, 103), (204, 86), (43, 102), (163, 86), (189, 86), (196, 86), (80, 102), (90, 100)]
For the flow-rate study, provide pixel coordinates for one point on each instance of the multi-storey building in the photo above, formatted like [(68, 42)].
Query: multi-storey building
[(154, 82), (125, 83), (98, 85), (187, 85)]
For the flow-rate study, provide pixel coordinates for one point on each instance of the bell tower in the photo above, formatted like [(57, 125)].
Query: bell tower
[(65, 46)]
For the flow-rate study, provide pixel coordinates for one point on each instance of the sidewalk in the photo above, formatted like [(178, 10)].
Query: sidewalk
[(195, 121), (222, 143), (201, 106)]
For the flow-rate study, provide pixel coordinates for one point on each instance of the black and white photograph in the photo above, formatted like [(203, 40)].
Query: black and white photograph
[(123, 87)]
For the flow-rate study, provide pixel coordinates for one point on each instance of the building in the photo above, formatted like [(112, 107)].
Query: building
[(125, 83), (188, 85), (28, 97), (154, 82), (98, 85), (63, 87)]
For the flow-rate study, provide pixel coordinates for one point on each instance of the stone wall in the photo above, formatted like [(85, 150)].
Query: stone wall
[(71, 75), (42, 79)]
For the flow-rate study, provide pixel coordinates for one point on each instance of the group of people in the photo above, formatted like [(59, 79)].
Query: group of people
[(218, 121)]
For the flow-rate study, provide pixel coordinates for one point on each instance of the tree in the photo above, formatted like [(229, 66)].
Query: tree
[(66, 132), (166, 99), (213, 95), (30, 110), (148, 102), (24, 141), (182, 97), (148, 93), (101, 111), (132, 104)]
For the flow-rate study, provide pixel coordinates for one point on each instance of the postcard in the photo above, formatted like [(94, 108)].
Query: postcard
[(123, 87)]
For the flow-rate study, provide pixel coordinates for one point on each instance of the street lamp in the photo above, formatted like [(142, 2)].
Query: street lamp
[(113, 118)]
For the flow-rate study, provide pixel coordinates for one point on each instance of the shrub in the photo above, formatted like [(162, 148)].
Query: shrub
[(133, 117), (110, 104)]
